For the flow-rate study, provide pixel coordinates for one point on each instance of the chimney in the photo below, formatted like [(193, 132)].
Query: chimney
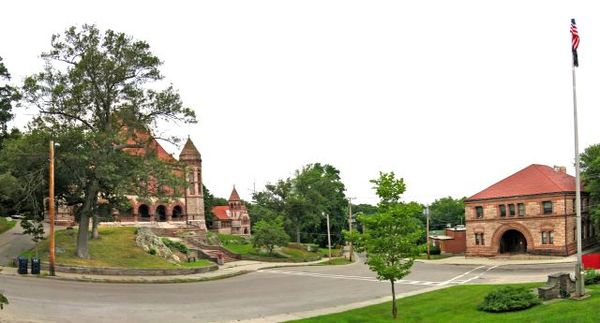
[(560, 169)]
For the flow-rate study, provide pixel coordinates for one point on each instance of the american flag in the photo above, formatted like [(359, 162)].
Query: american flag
[(574, 42)]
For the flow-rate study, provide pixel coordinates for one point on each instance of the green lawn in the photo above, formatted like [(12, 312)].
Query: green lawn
[(458, 304), (435, 257), (230, 238), (334, 252), (6, 224), (116, 248), (236, 244)]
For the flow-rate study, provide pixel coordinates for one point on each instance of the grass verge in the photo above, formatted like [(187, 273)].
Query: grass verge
[(116, 248), (459, 304), (6, 224), (334, 262)]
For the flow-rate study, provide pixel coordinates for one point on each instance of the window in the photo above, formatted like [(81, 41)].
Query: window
[(479, 212), (547, 237), (547, 206), (511, 209), (502, 210), (479, 239), (521, 207), (574, 205)]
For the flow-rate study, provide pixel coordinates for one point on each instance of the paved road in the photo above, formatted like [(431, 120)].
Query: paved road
[(260, 294)]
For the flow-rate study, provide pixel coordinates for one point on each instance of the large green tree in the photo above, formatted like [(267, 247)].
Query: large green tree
[(446, 210), (269, 234), (8, 95), (105, 88), (303, 201), (590, 174), (391, 237)]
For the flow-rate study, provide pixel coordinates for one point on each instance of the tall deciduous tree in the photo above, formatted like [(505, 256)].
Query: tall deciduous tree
[(446, 210), (590, 171), (303, 199), (390, 237), (8, 95), (104, 88)]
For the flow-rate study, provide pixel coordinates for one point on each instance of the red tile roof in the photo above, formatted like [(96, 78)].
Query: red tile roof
[(221, 212), (532, 180)]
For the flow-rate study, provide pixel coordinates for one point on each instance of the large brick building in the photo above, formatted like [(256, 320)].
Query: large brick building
[(531, 211)]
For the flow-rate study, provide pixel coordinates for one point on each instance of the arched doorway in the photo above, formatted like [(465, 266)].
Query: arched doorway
[(513, 241), (144, 211), (161, 213), (177, 212)]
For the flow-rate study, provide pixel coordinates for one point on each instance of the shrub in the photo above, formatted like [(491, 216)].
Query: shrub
[(506, 299), (434, 250), (591, 277), (3, 301), (152, 251), (175, 245)]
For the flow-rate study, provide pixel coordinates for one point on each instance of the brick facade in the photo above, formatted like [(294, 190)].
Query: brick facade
[(540, 231)]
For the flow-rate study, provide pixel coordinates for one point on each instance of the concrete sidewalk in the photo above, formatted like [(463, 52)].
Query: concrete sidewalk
[(228, 270), (500, 261)]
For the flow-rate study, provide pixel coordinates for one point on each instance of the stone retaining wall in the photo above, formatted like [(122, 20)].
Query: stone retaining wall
[(131, 271)]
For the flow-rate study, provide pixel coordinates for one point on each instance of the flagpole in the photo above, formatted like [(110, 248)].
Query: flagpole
[(580, 289)]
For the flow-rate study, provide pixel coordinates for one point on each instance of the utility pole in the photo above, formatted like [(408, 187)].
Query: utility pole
[(328, 237), (51, 245), (427, 232), (351, 249)]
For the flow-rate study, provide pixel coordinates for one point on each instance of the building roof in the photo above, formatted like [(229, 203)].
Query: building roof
[(234, 195), (531, 180), (189, 151), (221, 212)]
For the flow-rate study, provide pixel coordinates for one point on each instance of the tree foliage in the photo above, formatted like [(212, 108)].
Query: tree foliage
[(100, 92), (211, 201), (8, 95), (391, 237), (446, 210), (303, 200), (590, 174), (268, 234)]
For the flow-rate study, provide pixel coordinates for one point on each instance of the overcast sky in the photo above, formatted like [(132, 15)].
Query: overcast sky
[(450, 95)]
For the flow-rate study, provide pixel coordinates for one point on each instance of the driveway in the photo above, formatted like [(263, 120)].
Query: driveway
[(13, 242)]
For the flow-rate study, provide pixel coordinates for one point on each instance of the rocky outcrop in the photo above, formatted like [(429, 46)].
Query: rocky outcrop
[(147, 240)]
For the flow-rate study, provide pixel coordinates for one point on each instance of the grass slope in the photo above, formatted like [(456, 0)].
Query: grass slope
[(116, 248), (6, 224), (459, 304), (243, 247)]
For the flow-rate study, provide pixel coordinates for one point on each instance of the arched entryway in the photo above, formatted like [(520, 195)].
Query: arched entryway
[(144, 211), (513, 241), (161, 213), (177, 212)]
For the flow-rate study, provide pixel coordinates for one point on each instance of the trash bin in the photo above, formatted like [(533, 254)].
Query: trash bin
[(22, 263), (35, 266)]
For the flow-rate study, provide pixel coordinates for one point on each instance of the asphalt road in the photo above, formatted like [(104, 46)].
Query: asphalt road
[(255, 295)]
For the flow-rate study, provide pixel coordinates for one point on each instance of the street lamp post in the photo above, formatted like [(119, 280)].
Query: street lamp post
[(426, 212)]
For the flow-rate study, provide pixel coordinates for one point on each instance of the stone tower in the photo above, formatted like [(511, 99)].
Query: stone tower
[(194, 194), (235, 204)]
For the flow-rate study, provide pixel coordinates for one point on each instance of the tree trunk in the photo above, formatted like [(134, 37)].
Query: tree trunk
[(95, 221), (394, 308), (84, 221), (298, 233)]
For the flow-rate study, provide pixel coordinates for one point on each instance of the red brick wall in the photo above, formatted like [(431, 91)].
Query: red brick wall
[(458, 245)]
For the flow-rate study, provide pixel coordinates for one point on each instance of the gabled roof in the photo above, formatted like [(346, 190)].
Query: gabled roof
[(531, 180), (221, 212), (189, 151), (234, 195)]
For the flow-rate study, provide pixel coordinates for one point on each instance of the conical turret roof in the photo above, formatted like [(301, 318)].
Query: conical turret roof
[(234, 195), (189, 151)]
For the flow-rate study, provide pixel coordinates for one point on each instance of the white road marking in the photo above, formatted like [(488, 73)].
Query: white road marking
[(455, 280), (349, 277)]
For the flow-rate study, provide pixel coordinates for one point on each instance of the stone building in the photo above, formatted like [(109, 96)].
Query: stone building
[(453, 241), (232, 218), (184, 209), (531, 211)]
